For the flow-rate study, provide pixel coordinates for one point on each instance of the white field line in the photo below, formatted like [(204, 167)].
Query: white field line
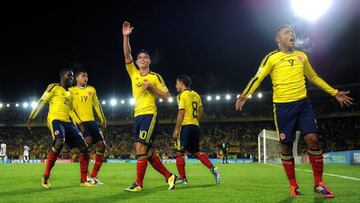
[(328, 174)]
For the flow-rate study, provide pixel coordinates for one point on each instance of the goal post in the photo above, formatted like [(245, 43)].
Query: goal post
[(269, 147)]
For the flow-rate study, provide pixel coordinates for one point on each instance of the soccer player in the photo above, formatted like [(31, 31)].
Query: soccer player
[(187, 132), (84, 100), (146, 87), (3, 151), (62, 129), (292, 108), (26, 154)]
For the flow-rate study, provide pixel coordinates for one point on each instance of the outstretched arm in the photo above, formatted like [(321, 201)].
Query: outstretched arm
[(126, 31), (40, 104), (341, 96), (254, 83)]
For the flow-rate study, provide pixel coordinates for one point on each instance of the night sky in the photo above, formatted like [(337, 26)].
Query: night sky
[(220, 44)]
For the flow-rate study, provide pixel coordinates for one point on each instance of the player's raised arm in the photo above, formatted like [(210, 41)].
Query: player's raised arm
[(99, 111), (254, 83), (341, 96), (40, 104), (126, 31)]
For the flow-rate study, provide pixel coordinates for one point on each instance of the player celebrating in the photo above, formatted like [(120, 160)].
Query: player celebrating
[(187, 132), (62, 129), (292, 108), (26, 154), (146, 87), (84, 99)]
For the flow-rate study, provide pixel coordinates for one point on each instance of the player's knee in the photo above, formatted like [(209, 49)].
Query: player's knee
[(88, 141), (83, 148), (312, 140), (58, 145), (100, 146), (286, 148), (179, 153), (141, 156), (195, 154)]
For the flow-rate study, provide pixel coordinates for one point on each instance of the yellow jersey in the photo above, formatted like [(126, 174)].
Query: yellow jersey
[(287, 72), (59, 103), (145, 101), (190, 101), (84, 101)]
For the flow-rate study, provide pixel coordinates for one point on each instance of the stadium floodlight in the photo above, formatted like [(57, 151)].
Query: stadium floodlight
[(132, 101), (238, 96), (250, 96), (259, 95), (103, 102), (34, 104), (113, 102), (161, 100), (25, 105), (228, 97), (7, 105), (209, 98), (122, 101), (17, 105), (217, 97), (1, 105), (310, 9), (170, 100)]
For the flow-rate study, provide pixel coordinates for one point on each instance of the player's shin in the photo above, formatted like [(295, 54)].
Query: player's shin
[(141, 166), (180, 164), (205, 160), (289, 167), (316, 160), (99, 158), (157, 165), (50, 162), (84, 161)]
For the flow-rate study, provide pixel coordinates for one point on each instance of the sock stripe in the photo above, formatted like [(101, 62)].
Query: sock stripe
[(287, 157), (315, 152)]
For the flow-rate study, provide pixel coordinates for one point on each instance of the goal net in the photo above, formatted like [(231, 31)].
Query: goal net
[(269, 147)]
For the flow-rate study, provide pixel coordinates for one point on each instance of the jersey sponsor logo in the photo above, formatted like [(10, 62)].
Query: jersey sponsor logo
[(282, 136)]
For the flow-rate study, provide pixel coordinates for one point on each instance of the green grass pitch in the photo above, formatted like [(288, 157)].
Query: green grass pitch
[(240, 183)]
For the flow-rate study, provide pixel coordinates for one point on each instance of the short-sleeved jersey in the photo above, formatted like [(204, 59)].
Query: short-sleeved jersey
[(84, 100), (288, 71), (190, 102), (59, 103), (145, 101)]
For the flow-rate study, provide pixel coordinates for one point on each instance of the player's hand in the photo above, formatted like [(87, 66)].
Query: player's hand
[(126, 28), (147, 85), (343, 99), (240, 103), (103, 125), (175, 135), (81, 127), (28, 123)]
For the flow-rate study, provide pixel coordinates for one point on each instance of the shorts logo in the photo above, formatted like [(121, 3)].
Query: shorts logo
[(282, 136), (56, 132)]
